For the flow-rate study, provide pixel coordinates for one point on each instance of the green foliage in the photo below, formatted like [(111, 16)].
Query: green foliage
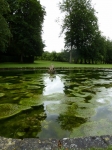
[(25, 21), (83, 39), (108, 51), (4, 27), (55, 56), (79, 24), (98, 49)]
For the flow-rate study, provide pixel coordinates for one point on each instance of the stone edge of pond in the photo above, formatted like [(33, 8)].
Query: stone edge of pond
[(46, 68), (54, 144)]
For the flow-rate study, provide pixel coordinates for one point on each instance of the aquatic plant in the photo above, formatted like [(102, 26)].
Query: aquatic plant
[(35, 100), (101, 127), (2, 94), (8, 110)]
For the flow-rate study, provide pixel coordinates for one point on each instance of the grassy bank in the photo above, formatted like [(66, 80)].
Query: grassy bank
[(37, 64)]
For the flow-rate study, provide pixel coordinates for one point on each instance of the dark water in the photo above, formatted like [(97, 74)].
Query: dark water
[(73, 103)]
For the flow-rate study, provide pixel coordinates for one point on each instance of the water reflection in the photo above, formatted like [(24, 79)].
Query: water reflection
[(58, 104), (53, 84), (69, 121), (51, 128), (24, 125)]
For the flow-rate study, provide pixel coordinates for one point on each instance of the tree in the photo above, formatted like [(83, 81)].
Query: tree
[(97, 50), (79, 25), (4, 28), (66, 7), (46, 55), (108, 51), (25, 20)]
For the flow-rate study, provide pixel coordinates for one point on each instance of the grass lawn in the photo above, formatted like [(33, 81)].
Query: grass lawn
[(41, 63)]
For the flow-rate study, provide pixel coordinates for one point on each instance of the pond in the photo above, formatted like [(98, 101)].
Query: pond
[(70, 103)]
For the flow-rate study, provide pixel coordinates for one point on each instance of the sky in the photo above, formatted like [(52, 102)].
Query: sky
[(52, 29)]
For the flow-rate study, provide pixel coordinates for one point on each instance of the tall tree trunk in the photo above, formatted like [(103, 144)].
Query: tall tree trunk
[(70, 55)]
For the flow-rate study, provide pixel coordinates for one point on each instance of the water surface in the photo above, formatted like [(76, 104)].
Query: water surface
[(71, 103)]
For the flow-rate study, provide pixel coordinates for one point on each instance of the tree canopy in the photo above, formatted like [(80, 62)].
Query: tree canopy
[(79, 25), (25, 23), (4, 28), (21, 24)]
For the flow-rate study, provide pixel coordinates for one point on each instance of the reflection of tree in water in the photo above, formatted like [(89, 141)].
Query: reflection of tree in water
[(25, 125), (69, 119)]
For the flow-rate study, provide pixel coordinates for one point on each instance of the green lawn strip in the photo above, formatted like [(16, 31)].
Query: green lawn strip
[(46, 64)]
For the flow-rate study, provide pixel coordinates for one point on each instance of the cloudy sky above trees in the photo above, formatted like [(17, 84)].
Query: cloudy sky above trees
[(52, 29)]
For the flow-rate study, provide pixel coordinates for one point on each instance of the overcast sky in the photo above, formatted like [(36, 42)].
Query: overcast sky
[(52, 29)]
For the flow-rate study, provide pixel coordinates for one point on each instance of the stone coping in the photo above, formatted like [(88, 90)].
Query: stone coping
[(84, 143)]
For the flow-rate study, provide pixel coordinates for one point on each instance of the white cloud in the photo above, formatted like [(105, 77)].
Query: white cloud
[(53, 85), (104, 9), (52, 28)]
